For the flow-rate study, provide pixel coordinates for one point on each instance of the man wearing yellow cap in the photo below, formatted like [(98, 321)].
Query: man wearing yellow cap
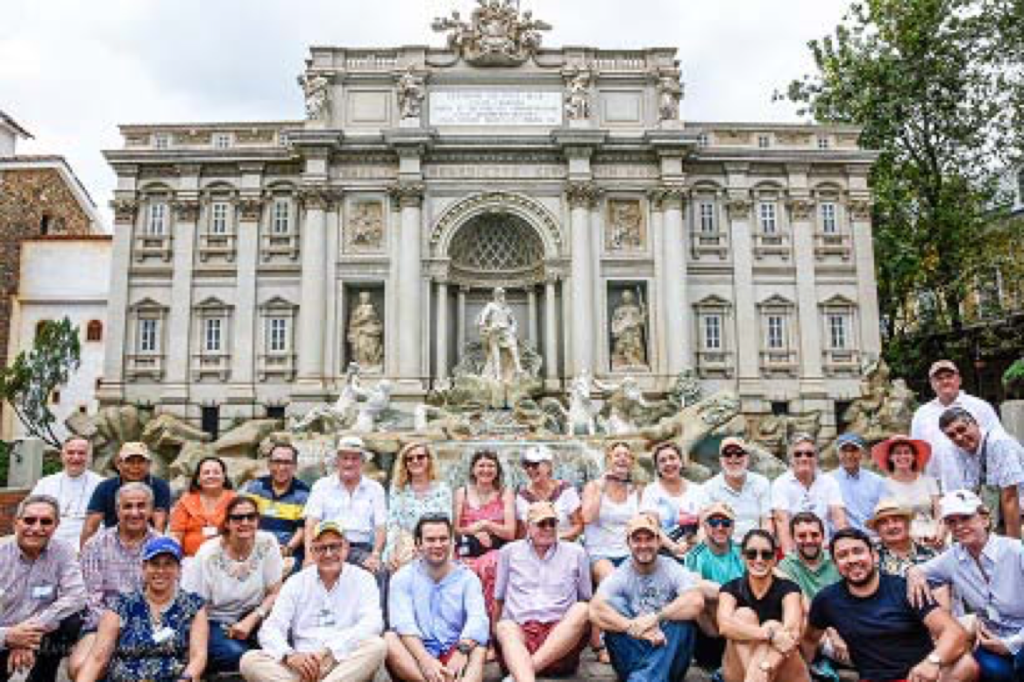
[(647, 609)]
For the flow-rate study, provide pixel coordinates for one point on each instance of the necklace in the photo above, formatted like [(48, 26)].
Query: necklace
[(156, 611), (76, 504)]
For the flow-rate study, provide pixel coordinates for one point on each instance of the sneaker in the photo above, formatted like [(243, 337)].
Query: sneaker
[(717, 676), (822, 671)]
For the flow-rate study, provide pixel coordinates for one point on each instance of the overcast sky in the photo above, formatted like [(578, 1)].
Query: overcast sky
[(72, 70)]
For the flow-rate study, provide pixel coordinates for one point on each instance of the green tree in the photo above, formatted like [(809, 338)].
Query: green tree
[(28, 382), (937, 87)]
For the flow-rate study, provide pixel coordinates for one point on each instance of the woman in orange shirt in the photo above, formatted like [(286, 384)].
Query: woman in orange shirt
[(198, 515)]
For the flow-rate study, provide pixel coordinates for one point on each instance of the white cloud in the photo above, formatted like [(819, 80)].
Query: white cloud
[(72, 70)]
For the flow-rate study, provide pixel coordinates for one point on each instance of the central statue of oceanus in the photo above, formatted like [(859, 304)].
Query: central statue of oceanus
[(499, 338)]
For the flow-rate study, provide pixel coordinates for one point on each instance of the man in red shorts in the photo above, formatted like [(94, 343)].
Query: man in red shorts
[(541, 596)]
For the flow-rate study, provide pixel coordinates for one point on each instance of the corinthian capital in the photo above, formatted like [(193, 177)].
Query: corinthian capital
[(186, 209), (801, 209), (669, 196), (320, 197), (125, 210), (250, 208), (860, 209), (406, 194), (738, 207), (582, 194)]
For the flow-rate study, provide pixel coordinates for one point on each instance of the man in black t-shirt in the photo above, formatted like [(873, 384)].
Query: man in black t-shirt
[(887, 637)]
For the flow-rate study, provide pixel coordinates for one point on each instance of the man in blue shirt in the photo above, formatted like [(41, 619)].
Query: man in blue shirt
[(439, 623), (862, 489), (281, 498), (133, 464)]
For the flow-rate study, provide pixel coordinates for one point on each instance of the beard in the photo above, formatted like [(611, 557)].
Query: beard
[(809, 552), (868, 577)]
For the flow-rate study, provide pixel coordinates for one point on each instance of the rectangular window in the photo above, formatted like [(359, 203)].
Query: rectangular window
[(763, 141), (219, 217), (213, 334), (823, 142), (707, 217), (776, 332), (282, 216), (161, 140), (828, 218), (712, 332), (147, 335), (837, 331), (277, 335), (156, 221), (768, 222), (222, 140), (702, 140)]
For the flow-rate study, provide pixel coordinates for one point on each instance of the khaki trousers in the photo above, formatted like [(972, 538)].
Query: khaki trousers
[(359, 666)]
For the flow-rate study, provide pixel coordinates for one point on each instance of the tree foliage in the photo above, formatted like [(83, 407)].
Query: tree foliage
[(28, 382), (937, 87)]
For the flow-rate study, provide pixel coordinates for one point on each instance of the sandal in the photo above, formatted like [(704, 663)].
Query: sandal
[(601, 654)]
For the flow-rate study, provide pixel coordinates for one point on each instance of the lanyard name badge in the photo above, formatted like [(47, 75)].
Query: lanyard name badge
[(210, 531), (325, 618), (40, 592)]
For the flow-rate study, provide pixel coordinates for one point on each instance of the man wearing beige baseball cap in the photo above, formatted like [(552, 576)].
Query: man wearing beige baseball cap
[(133, 463), (647, 609)]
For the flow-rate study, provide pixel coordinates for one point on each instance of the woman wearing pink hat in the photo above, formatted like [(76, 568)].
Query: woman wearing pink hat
[(904, 460)]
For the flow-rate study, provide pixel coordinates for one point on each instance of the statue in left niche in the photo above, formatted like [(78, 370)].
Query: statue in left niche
[(317, 89), (366, 334), (411, 91), (629, 333)]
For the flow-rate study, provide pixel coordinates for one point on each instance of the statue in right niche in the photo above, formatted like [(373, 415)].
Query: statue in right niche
[(629, 331), (365, 334)]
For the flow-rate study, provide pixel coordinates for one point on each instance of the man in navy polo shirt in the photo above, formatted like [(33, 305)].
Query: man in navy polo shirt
[(133, 464), (888, 638), (281, 498)]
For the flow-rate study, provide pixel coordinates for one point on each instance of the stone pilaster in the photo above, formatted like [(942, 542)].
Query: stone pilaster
[(867, 288), (247, 245), (316, 201), (551, 319), (746, 328), (582, 197), (678, 350), (801, 212), (178, 336), (115, 344), (441, 337), (407, 275)]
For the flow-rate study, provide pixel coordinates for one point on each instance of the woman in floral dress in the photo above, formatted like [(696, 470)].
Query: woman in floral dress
[(415, 491), (157, 633)]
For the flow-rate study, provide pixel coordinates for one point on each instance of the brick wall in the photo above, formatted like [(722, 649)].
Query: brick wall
[(27, 195), (9, 500)]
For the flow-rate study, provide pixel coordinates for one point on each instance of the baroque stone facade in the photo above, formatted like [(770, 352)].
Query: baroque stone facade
[(426, 176)]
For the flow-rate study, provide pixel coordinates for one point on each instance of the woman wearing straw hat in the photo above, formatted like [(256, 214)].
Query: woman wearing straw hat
[(904, 460)]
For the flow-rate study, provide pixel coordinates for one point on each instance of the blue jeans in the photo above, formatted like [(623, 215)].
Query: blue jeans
[(223, 652), (637, 660), (996, 668)]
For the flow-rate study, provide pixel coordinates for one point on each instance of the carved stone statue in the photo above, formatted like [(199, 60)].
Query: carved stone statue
[(366, 333), (581, 409), (495, 35), (498, 334), (669, 93), (411, 91), (375, 401), (629, 327), (577, 97), (316, 88), (625, 407), (332, 418), (625, 229), (883, 408)]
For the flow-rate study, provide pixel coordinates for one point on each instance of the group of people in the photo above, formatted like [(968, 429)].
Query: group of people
[(899, 576)]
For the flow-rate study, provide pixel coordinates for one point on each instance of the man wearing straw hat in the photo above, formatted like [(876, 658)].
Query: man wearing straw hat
[(897, 550)]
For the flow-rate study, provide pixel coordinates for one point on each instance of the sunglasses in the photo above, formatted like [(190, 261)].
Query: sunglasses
[(734, 454), (530, 465), (250, 516), (718, 522), (44, 521), (956, 431), (762, 554), (416, 458), (805, 453), (329, 548), (547, 523), (282, 462)]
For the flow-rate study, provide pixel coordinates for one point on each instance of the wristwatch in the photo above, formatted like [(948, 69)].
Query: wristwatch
[(261, 612), (466, 649), (934, 659)]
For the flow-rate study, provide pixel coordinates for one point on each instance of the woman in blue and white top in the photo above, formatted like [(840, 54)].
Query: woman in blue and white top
[(675, 501)]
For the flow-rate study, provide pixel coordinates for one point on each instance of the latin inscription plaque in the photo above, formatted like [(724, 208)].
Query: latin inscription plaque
[(495, 108)]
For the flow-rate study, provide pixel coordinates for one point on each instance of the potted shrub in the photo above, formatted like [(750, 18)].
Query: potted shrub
[(1012, 410), (1013, 380)]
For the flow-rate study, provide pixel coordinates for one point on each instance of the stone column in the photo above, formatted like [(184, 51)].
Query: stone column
[(867, 287), (246, 337), (531, 307), (677, 328), (441, 337), (582, 196), (801, 211), (115, 350), (746, 334), (460, 321), (408, 276), (550, 330), (178, 337), (313, 287)]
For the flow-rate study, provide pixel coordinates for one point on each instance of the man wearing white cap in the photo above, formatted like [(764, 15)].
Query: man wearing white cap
[(987, 572), (354, 501), (944, 378), (747, 493), (542, 486), (647, 609)]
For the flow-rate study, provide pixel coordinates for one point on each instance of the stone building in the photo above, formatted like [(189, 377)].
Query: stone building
[(628, 241), (40, 196)]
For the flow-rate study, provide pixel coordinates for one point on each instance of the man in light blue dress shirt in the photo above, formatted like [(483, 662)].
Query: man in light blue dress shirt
[(861, 489), (439, 623)]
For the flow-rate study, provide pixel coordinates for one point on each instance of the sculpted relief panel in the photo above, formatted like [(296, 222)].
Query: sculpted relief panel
[(625, 229), (364, 227)]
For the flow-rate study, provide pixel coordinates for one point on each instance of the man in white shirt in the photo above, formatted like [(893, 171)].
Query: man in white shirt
[(746, 492), (944, 378), (357, 503), (71, 487), (326, 623), (804, 488)]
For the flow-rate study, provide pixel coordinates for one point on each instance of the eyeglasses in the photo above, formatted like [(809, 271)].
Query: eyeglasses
[(956, 519), (762, 554), (530, 465), (44, 521), (416, 458), (954, 432), (719, 522), (734, 454), (282, 462), (547, 523), (804, 453), (250, 516), (329, 548)]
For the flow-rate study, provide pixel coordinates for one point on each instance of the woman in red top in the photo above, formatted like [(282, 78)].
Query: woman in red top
[(198, 515)]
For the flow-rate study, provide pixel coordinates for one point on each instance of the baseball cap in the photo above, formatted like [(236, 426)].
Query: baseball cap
[(731, 442), (540, 511), (718, 509), (642, 522), (537, 453), (851, 439), (133, 448), (161, 545), (940, 365), (327, 527), (961, 503)]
